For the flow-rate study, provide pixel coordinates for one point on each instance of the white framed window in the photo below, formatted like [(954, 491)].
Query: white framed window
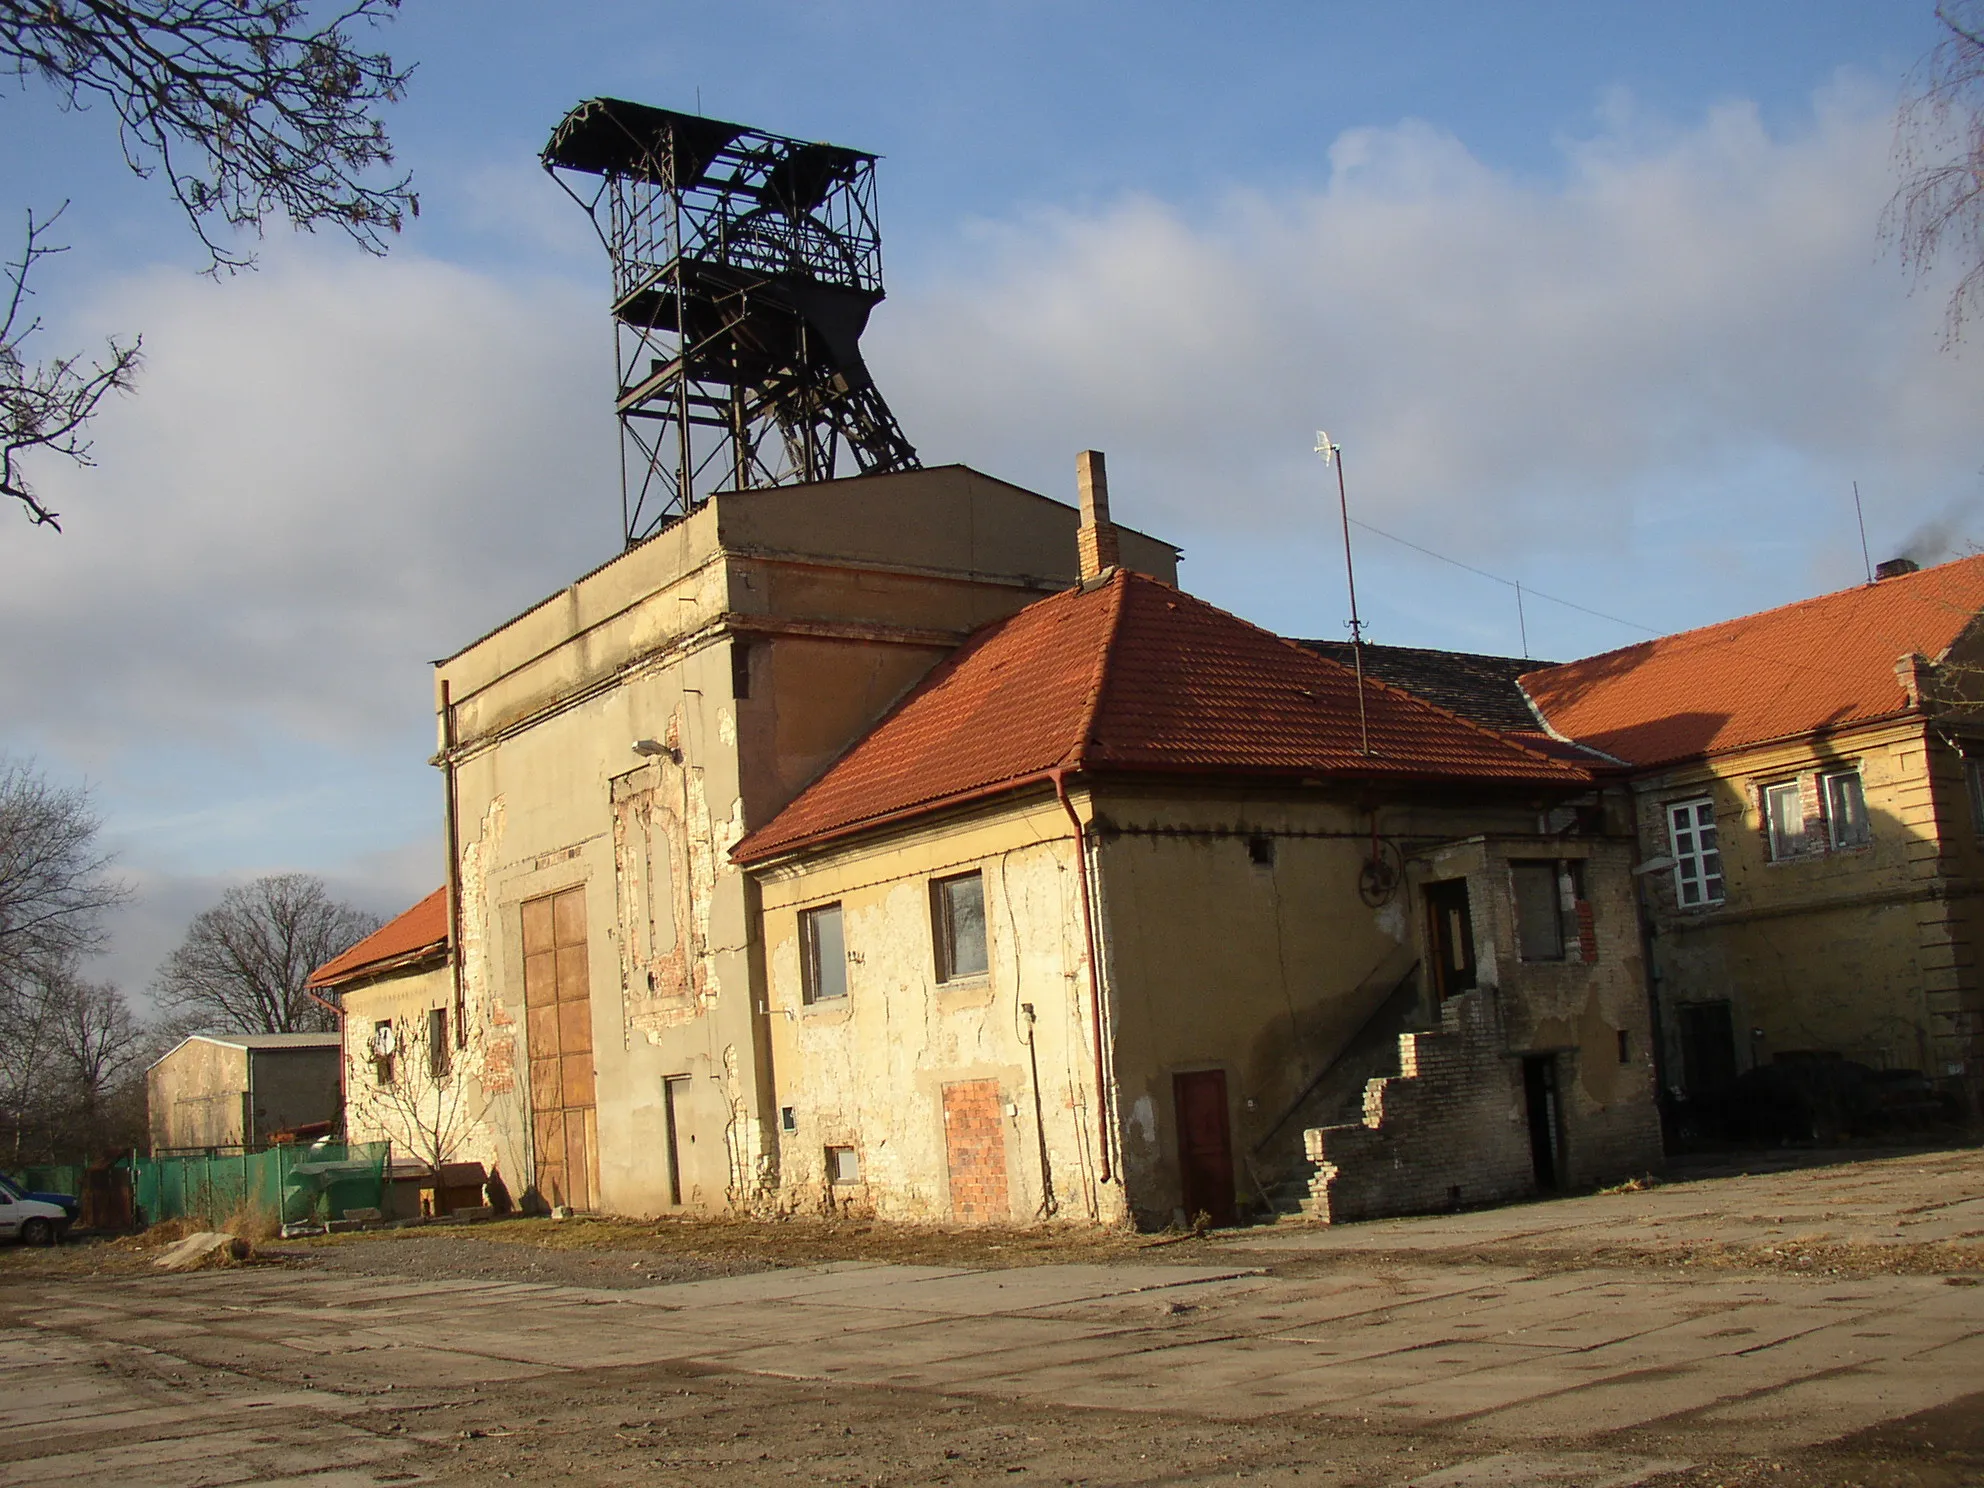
[(843, 1166), (1846, 809), (957, 924), (1784, 818), (823, 970), (1697, 853)]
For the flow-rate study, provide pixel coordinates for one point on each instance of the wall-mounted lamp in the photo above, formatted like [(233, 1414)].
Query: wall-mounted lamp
[(648, 748)]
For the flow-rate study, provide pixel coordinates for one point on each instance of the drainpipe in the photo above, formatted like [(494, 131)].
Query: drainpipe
[(1059, 777), (454, 865)]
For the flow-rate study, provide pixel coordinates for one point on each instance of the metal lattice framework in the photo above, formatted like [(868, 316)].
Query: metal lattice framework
[(745, 266)]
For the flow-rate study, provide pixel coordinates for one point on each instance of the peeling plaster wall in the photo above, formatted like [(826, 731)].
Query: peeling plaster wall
[(1212, 960), (869, 1071), (752, 642)]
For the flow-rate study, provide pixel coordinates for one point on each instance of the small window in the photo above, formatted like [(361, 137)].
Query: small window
[(958, 911), (1846, 809), (1625, 1046), (1260, 851), (843, 1166), (788, 1119), (1973, 775), (1697, 855), (438, 1052), (825, 971), (1784, 815), (383, 1044), (1539, 911), (740, 670)]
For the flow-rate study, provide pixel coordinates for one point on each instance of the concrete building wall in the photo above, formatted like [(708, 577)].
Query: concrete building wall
[(751, 643), (196, 1096)]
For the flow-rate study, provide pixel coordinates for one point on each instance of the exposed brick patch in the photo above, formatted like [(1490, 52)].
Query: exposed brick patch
[(975, 1144)]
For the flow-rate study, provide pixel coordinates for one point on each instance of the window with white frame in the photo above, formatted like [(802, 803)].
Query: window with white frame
[(823, 972), (1846, 809), (1697, 855), (1784, 819)]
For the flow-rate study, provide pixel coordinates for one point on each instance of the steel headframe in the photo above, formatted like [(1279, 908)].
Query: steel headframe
[(745, 266)]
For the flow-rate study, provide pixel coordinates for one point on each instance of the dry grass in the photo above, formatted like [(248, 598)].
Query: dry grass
[(797, 1241)]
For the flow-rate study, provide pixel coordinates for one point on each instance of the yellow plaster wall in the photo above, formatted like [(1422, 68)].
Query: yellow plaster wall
[(428, 1121), (1834, 951)]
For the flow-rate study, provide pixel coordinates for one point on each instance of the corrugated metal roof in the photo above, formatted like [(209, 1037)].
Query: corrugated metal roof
[(1819, 664), (1130, 674), (408, 937)]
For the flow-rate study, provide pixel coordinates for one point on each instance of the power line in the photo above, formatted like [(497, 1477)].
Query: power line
[(1521, 589)]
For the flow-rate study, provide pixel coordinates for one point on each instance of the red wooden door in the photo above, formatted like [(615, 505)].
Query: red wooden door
[(1205, 1145)]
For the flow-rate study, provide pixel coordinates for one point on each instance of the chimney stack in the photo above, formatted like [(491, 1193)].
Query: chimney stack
[(1096, 541), (1894, 568)]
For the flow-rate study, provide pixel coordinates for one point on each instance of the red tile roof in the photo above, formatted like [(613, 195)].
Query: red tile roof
[(1819, 664), (1130, 674), (417, 935)]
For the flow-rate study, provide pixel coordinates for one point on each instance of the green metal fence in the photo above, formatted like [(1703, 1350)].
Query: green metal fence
[(61, 1178), (288, 1183)]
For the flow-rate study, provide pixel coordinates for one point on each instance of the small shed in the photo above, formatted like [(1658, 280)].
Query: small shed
[(238, 1089)]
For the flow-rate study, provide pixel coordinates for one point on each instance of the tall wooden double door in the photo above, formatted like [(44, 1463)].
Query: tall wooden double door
[(558, 1028)]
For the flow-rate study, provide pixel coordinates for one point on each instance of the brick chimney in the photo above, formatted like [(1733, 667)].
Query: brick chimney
[(1096, 539)]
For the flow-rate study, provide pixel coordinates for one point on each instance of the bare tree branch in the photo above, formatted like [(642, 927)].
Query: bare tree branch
[(45, 405), (251, 108), (1938, 214), (244, 963)]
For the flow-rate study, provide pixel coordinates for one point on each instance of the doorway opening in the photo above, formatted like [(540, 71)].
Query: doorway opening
[(1546, 1120), (1450, 934), (1205, 1146)]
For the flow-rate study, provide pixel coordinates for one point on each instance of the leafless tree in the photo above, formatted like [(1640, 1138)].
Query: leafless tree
[(424, 1101), (54, 880), (244, 963), (1937, 216), (72, 1058), (251, 109)]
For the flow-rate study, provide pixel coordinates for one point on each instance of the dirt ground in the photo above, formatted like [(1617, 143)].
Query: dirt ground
[(676, 1423)]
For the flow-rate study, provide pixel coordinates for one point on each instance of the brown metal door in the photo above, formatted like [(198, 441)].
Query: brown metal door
[(975, 1146), (558, 1026), (1205, 1145)]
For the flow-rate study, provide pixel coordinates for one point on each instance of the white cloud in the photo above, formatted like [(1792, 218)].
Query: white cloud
[(1685, 315), (333, 471)]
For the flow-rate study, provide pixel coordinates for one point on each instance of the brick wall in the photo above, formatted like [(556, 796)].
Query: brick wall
[(1448, 1130), (975, 1146)]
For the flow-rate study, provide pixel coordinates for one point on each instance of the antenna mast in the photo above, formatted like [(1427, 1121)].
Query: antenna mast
[(1333, 455), (745, 266)]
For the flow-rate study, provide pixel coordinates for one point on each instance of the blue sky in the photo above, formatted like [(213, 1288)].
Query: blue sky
[(1591, 294)]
